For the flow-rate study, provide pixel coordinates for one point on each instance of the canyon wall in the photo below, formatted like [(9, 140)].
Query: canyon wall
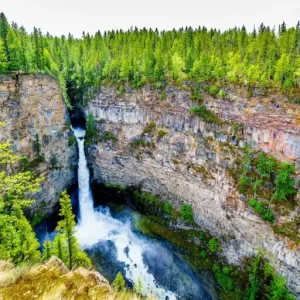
[(168, 152), (163, 148), (32, 107)]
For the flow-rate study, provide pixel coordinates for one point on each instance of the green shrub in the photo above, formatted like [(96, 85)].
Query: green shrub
[(117, 186), (203, 254), (72, 140), (161, 133), (213, 245), (213, 90), (163, 95), (37, 144), (265, 213), (108, 136), (90, 127), (54, 161), (196, 94), (175, 162), (284, 184), (149, 128), (187, 213), (139, 143), (222, 94), (24, 161), (205, 114), (167, 208), (224, 278), (201, 235)]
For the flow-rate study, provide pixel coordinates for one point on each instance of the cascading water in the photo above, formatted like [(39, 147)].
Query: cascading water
[(139, 256), (85, 195), (99, 225)]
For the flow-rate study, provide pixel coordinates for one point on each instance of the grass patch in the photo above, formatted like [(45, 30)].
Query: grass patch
[(205, 114)]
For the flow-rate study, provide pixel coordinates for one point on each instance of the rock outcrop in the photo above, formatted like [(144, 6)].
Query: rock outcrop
[(185, 160), (33, 111), (52, 280)]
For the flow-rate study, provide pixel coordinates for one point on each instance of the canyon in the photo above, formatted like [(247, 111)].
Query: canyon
[(182, 159)]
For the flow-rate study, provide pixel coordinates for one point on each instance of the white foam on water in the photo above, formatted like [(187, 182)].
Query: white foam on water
[(98, 225)]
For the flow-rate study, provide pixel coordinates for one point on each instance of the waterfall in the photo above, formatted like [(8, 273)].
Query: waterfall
[(98, 225), (85, 194)]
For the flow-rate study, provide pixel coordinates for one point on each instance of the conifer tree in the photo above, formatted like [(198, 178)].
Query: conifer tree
[(59, 247), (47, 253), (71, 253), (119, 282), (3, 59)]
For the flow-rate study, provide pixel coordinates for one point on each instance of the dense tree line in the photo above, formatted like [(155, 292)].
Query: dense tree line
[(266, 56)]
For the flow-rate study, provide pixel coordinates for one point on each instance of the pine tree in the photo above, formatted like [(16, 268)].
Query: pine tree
[(59, 247), (47, 250), (119, 282), (67, 247), (3, 58), (67, 227), (284, 184)]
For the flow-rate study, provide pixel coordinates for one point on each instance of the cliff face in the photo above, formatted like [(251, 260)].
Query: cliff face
[(32, 110), (186, 161)]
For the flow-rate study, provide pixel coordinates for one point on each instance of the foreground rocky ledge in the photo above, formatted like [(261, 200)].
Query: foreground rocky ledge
[(53, 280)]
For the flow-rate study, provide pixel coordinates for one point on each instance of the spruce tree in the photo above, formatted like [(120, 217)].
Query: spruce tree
[(70, 253), (47, 253), (3, 58), (119, 282), (67, 227)]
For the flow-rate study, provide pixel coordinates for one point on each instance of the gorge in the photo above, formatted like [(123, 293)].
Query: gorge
[(156, 145)]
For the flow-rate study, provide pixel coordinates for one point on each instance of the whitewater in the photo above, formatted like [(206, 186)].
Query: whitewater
[(97, 225)]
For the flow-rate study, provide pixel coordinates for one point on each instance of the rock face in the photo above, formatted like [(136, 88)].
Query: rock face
[(32, 108), (52, 280), (185, 160)]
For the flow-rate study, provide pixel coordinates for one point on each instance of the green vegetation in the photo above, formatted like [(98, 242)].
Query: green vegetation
[(18, 243), (37, 145), (267, 182), (187, 213), (161, 133), (205, 114), (255, 279), (265, 213), (72, 140), (117, 186), (54, 161), (150, 128), (65, 243), (213, 245), (284, 184), (108, 136), (90, 129), (119, 283), (167, 208), (213, 90), (137, 143), (263, 57)]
